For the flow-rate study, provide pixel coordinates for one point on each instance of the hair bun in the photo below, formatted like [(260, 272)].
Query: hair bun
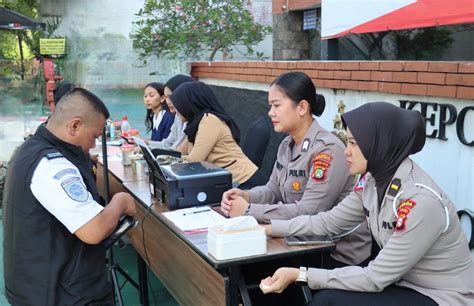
[(320, 105)]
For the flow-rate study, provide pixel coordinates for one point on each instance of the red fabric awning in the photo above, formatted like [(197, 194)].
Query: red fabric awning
[(343, 17)]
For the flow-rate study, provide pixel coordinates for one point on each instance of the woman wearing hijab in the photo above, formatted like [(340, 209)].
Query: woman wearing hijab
[(310, 173), (158, 118), (424, 257), (176, 135), (212, 135)]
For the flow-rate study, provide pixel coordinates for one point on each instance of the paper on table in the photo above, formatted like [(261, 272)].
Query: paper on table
[(112, 157), (194, 218)]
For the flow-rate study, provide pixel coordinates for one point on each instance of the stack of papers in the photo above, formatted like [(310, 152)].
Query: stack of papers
[(195, 219)]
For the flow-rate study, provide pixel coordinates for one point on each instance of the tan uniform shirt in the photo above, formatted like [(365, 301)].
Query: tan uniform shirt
[(214, 143), (313, 180), (416, 253)]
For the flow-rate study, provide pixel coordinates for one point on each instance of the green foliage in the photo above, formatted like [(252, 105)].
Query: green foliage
[(30, 8), (423, 44), (412, 44), (170, 28)]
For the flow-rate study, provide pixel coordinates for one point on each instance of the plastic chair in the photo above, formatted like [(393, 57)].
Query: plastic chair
[(258, 136)]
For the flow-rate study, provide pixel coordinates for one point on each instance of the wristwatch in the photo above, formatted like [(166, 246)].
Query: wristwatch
[(302, 279), (247, 211)]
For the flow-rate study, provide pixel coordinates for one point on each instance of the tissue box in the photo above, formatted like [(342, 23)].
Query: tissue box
[(236, 243)]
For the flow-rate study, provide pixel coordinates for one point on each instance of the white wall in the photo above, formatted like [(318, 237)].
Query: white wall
[(450, 163), (100, 52)]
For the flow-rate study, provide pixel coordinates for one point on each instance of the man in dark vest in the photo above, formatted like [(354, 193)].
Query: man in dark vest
[(53, 222)]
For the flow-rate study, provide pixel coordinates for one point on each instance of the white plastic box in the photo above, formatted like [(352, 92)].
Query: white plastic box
[(236, 243)]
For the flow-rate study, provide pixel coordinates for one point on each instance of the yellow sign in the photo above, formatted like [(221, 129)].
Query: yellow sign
[(50, 46)]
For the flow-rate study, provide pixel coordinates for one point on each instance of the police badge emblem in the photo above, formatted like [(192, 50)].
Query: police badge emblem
[(319, 173), (402, 214), (296, 186), (321, 164), (75, 189), (305, 145)]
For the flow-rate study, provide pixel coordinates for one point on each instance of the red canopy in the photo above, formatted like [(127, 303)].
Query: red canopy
[(343, 17)]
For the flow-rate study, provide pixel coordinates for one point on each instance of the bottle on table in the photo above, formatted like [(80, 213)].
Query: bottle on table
[(125, 126), (112, 130)]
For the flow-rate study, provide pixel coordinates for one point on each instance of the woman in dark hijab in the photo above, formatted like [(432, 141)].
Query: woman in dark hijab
[(424, 257), (211, 133), (387, 139)]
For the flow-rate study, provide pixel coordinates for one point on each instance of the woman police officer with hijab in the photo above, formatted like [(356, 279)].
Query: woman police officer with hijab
[(310, 174), (424, 257)]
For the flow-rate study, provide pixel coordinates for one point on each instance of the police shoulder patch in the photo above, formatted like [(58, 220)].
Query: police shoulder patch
[(321, 164), (53, 155), (402, 214), (65, 172), (75, 189)]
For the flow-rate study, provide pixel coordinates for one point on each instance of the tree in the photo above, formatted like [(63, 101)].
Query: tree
[(170, 28)]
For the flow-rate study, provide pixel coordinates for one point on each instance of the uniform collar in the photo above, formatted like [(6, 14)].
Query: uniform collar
[(68, 148), (308, 139)]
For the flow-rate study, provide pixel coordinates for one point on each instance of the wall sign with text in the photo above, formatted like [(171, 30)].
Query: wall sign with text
[(439, 116)]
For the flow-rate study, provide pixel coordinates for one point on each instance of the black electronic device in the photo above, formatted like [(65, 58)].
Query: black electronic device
[(125, 224), (173, 153), (308, 240), (182, 185)]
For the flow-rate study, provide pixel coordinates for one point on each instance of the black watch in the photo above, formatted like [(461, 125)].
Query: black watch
[(302, 279), (247, 211)]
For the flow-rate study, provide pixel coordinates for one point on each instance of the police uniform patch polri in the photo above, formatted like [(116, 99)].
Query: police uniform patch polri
[(75, 189), (321, 164), (402, 213)]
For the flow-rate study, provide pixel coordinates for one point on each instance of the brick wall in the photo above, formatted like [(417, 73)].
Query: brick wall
[(439, 79)]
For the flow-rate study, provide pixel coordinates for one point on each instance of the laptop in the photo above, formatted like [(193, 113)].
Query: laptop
[(149, 157)]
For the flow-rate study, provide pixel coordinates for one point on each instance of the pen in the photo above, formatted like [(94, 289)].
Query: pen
[(196, 212)]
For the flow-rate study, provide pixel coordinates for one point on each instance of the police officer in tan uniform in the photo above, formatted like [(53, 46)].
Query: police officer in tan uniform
[(310, 174), (424, 257)]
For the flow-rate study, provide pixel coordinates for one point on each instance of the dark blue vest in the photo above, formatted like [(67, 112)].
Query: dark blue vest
[(164, 128), (44, 264)]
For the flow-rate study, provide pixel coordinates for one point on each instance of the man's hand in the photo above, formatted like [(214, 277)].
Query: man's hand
[(128, 203), (104, 223), (281, 279), (228, 196)]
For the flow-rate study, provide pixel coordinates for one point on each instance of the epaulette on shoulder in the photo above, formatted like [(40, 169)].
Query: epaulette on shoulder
[(53, 155)]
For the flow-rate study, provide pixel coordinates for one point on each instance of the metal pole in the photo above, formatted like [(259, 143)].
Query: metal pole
[(20, 44)]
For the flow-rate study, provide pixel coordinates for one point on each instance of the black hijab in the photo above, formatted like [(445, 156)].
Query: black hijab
[(193, 100), (177, 80), (386, 135)]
